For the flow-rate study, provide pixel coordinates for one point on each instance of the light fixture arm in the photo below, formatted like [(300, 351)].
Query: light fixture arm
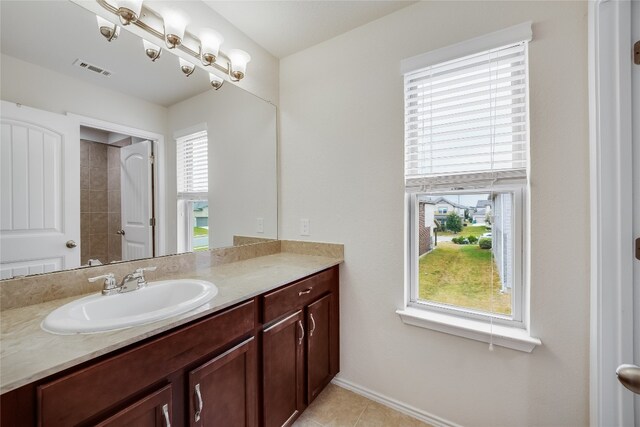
[(114, 33), (196, 54)]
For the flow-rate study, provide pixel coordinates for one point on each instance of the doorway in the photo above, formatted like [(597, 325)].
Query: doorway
[(614, 85), (635, 114), (117, 197)]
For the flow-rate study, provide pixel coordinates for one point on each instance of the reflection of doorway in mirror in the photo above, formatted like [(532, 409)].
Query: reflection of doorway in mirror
[(116, 197)]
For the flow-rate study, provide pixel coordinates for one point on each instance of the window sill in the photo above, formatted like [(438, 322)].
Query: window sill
[(504, 336)]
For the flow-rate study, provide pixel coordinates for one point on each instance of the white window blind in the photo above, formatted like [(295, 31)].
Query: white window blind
[(192, 165), (466, 120)]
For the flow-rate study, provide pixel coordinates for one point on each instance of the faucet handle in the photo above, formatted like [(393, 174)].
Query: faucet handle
[(142, 270), (107, 277), (139, 273), (109, 283)]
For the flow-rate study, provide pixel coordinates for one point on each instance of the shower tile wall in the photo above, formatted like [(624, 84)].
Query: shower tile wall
[(100, 202)]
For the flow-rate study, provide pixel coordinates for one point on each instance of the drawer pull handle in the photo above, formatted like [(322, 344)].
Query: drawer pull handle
[(306, 291), (301, 332), (198, 403), (313, 325), (165, 412)]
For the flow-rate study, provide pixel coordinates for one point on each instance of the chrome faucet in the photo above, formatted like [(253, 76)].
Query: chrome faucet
[(134, 281), (130, 282)]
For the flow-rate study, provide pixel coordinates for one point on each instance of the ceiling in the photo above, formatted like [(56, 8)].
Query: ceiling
[(286, 27)]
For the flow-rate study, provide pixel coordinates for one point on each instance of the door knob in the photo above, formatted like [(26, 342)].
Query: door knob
[(629, 376), (71, 244), (120, 232)]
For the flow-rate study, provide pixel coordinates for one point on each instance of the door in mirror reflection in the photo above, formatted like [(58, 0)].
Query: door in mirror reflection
[(137, 200), (39, 216)]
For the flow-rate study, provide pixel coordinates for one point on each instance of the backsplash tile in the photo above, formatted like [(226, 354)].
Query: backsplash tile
[(29, 290)]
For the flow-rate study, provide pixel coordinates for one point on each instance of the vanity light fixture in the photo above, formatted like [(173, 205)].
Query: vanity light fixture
[(238, 67), (152, 51), (129, 10), (175, 23), (187, 67), (108, 29), (234, 63), (216, 82), (210, 42)]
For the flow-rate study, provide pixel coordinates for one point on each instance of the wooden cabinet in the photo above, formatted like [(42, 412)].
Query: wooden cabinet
[(223, 391), (300, 348), (87, 395), (258, 363), (153, 410), (319, 346), (283, 370)]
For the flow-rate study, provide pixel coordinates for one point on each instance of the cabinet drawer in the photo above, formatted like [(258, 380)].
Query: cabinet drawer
[(297, 295), (104, 386), (153, 410)]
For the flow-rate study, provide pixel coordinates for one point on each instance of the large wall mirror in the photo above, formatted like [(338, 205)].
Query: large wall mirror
[(107, 156)]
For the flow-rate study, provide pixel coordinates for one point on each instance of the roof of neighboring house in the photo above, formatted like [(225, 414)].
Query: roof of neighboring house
[(447, 201), (483, 203), (426, 202)]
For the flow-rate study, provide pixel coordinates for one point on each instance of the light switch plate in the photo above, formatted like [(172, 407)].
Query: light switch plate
[(260, 225)]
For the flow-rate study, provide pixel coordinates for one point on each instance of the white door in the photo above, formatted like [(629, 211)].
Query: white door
[(635, 81), (136, 200), (39, 191)]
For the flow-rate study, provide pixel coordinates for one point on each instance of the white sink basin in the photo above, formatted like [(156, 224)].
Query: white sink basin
[(157, 301)]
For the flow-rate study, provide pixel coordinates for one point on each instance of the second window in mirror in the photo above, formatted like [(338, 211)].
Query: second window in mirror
[(193, 192)]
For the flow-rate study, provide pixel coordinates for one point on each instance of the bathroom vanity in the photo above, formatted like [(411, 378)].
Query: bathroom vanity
[(252, 360)]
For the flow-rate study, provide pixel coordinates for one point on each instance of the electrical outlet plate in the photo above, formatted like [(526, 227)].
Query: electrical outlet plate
[(260, 225), (304, 227)]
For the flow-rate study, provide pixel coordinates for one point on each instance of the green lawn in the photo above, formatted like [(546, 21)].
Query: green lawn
[(469, 230), (200, 231), (459, 275)]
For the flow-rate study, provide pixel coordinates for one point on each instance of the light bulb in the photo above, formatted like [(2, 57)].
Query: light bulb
[(152, 51), (187, 67), (129, 10), (108, 29), (175, 22), (210, 45), (216, 82), (239, 60)]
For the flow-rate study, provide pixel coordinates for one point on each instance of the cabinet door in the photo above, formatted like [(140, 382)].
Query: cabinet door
[(154, 410), (223, 391), (319, 346), (283, 370)]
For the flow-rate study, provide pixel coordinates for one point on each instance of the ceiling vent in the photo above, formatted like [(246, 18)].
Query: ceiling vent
[(91, 67)]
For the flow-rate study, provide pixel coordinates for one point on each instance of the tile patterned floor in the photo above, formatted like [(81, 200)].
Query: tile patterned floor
[(338, 407)]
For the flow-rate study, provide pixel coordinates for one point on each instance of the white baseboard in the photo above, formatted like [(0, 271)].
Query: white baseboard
[(394, 404)]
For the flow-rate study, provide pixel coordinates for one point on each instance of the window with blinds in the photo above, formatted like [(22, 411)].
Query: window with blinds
[(466, 181), (192, 165), (466, 120)]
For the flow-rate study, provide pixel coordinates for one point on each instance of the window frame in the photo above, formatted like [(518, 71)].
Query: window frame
[(520, 286), (184, 232)]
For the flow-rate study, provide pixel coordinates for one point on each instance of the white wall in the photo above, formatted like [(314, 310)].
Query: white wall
[(342, 167), (242, 160), (42, 88)]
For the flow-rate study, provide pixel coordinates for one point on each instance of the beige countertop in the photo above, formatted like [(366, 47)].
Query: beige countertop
[(27, 353)]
